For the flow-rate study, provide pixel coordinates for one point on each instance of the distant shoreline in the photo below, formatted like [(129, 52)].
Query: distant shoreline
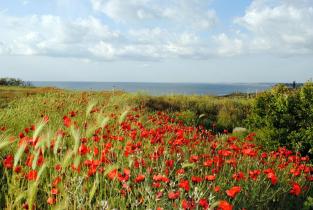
[(215, 89)]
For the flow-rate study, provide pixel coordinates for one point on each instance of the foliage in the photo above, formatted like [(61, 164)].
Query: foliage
[(14, 82), (216, 113), (137, 160), (120, 152), (284, 116)]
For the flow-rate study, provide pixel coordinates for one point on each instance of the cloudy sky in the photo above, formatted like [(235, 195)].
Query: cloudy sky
[(157, 40)]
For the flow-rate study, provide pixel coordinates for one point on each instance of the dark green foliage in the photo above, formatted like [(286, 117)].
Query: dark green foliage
[(13, 82), (284, 116)]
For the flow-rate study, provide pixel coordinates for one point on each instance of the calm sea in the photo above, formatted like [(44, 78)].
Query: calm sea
[(163, 88)]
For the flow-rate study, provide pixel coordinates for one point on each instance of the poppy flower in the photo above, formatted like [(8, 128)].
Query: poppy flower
[(67, 121), (173, 195), (56, 181), (196, 179), (296, 189), (83, 149), (140, 178), (113, 174), (54, 191), (188, 204), (224, 205), (217, 189), (32, 175), (272, 177), (184, 184), (210, 177), (232, 192), (254, 174), (8, 161), (51, 201), (204, 203), (238, 176)]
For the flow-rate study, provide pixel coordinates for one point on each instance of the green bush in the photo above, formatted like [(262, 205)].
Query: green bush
[(211, 112), (284, 117), (13, 82)]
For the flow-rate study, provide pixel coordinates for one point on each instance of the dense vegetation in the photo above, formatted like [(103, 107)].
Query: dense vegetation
[(284, 117), (14, 82), (95, 150)]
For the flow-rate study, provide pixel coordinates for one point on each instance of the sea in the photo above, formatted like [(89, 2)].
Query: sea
[(217, 89)]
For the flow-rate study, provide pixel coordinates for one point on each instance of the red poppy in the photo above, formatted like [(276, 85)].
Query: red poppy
[(54, 191), (83, 149), (140, 178), (210, 177), (238, 176), (188, 204), (173, 195), (8, 161), (217, 189), (51, 201), (196, 179), (296, 189), (254, 174), (56, 181), (184, 184), (32, 175), (272, 177), (113, 174), (67, 121), (232, 192), (204, 203), (224, 205)]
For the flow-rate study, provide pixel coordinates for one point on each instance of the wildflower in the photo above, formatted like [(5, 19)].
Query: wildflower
[(67, 121), (196, 179), (254, 174), (140, 178), (54, 191), (83, 149), (210, 177), (112, 174), (232, 192), (208, 163), (184, 184), (18, 169), (8, 161), (224, 205), (190, 204), (238, 176), (217, 189), (32, 175), (204, 203), (296, 189), (173, 195), (51, 201), (272, 177), (56, 181)]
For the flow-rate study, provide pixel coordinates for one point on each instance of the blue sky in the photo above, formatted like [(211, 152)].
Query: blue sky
[(157, 40)]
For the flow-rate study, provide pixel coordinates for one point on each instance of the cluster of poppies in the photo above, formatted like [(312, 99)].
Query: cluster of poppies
[(153, 160)]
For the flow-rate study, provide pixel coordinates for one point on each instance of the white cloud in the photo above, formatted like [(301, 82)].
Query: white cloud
[(155, 30), (52, 36), (283, 27), (89, 38), (191, 14), (228, 46)]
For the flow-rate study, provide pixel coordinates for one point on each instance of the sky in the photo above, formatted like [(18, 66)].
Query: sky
[(199, 41)]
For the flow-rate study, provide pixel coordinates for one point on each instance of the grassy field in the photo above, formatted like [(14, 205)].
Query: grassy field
[(102, 150)]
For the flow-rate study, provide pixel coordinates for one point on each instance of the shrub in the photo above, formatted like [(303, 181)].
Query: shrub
[(217, 113), (13, 82), (284, 116)]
